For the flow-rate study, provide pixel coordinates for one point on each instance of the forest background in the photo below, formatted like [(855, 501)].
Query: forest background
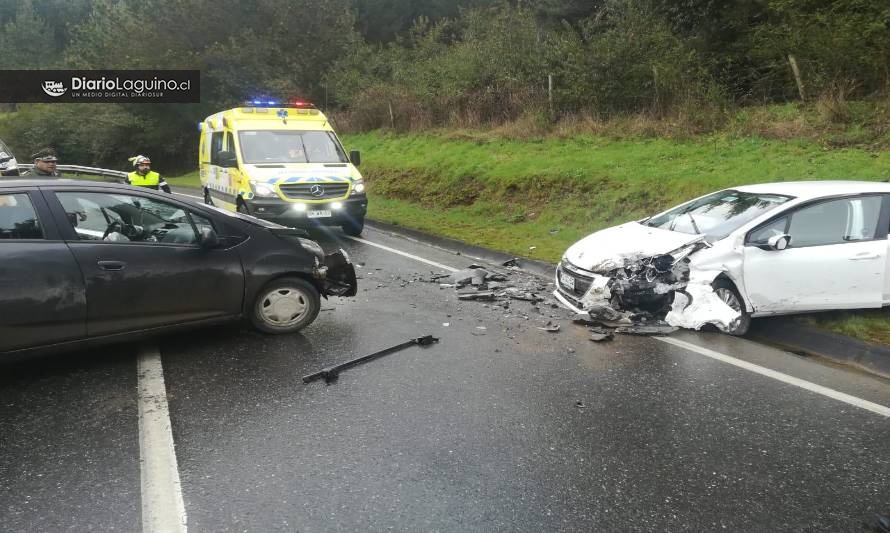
[(665, 68)]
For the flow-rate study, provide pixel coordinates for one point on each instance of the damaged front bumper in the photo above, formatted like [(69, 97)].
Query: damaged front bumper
[(336, 275), (644, 290), (646, 286)]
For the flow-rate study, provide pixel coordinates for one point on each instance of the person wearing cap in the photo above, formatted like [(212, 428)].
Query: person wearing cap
[(44, 165), (144, 176)]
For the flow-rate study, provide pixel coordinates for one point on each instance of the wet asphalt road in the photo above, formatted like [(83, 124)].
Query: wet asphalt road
[(502, 428)]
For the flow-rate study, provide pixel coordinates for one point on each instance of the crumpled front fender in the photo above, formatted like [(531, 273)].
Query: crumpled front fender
[(337, 275)]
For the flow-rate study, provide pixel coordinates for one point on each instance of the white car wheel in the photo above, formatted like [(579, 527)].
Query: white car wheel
[(728, 294)]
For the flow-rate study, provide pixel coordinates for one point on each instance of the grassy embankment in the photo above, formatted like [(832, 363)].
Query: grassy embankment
[(536, 197)]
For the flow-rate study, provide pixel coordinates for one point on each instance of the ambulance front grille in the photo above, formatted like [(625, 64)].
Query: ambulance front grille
[(314, 191)]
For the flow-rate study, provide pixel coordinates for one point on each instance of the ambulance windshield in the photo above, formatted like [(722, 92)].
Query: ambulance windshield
[(258, 147)]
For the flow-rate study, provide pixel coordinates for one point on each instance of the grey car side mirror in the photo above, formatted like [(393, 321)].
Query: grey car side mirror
[(779, 242), (209, 238)]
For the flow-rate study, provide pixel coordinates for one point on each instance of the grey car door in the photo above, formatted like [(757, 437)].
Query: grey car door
[(42, 295), (143, 265)]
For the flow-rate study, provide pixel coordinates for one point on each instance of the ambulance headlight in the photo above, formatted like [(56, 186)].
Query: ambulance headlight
[(261, 189), (299, 207), (358, 188)]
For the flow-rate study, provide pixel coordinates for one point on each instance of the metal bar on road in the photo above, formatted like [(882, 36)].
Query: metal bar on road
[(331, 373)]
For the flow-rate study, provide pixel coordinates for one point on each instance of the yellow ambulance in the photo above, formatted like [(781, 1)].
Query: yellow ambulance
[(281, 162)]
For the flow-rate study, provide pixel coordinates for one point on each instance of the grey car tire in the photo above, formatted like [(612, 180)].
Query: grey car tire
[(285, 305)]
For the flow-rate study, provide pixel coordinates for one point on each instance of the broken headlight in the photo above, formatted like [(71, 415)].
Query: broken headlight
[(311, 246)]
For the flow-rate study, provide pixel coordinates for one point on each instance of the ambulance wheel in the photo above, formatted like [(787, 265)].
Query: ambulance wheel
[(353, 227), (207, 199), (285, 305)]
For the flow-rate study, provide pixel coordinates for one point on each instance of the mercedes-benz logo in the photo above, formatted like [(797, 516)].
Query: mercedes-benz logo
[(316, 190)]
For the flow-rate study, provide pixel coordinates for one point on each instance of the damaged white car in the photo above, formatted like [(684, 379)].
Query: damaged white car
[(750, 251)]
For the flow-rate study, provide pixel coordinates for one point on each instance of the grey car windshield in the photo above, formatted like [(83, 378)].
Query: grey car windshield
[(258, 147), (717, 215)]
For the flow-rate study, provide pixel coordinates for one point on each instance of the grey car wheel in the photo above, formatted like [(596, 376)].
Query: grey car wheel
[(285, 305)]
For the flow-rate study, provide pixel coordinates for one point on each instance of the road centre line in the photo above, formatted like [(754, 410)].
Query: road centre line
[(405, 254), (163, 509), (785, 378)]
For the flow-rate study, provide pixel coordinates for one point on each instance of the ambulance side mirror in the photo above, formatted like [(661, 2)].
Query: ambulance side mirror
[(356, 157), (227, 159)]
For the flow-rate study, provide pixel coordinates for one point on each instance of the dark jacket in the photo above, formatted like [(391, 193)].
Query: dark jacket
[(35, 172)]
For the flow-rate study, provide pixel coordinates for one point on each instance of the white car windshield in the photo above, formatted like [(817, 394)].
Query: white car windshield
[(717, 215), (258, 147)]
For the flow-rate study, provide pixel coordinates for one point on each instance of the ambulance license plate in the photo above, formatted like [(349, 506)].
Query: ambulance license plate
[(566, 280), (319, 213)]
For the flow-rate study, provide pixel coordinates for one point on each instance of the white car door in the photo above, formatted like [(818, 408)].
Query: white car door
[(836, 259)]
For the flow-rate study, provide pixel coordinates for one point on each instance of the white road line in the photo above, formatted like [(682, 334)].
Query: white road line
[(785, 378), (405, 254), (162, 507)]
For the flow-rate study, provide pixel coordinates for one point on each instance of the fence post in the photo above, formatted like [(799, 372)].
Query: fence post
[(550, 95), (793, 62)]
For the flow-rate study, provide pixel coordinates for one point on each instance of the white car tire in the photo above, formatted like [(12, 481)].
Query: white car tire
[(726, 291)]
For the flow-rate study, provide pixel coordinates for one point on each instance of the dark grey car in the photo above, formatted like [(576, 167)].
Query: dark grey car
[(85, 262)]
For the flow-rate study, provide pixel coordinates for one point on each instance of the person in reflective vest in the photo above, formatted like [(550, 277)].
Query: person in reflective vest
[(144, 176)]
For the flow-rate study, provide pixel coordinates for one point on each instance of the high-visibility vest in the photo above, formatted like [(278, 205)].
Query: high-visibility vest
[(150, 179)]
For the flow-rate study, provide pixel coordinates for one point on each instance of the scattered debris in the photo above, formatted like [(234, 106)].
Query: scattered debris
[(600, 337), (549, 327), (511, 262), (580, 404), (476, 296), (331, 373), (446, 324), (882, 523), (646, 330)]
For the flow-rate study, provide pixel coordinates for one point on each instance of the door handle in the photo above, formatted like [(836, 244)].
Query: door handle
[(864, 257), (111, 266)]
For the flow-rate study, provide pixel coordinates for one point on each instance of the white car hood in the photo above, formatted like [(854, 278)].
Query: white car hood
[(617, 246)]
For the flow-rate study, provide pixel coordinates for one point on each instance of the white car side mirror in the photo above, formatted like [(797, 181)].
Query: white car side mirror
[(779, 242)]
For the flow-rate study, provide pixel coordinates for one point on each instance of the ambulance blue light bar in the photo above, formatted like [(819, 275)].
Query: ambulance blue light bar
[(275, 103)]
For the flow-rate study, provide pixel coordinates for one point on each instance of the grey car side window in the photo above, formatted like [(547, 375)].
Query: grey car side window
[(18, 219), (125, 218)]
